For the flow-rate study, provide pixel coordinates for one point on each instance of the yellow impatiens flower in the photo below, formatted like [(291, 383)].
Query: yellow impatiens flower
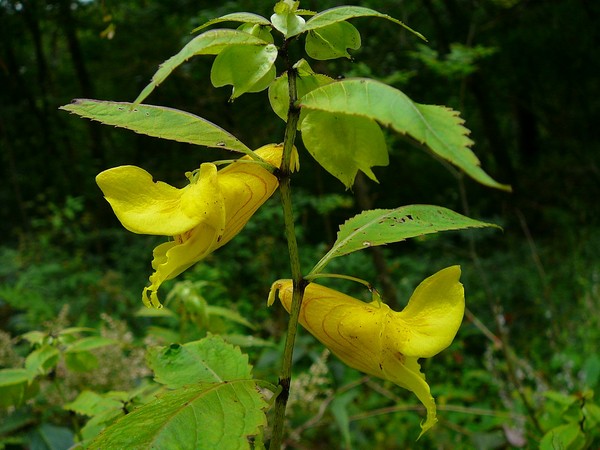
[(376, 340), (201, 217)]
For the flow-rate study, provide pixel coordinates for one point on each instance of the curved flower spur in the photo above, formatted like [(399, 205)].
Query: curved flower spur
[(201, 217), (376, 340)]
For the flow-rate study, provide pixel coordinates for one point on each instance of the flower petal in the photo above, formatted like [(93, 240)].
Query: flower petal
[(147, 207), (433, 314)]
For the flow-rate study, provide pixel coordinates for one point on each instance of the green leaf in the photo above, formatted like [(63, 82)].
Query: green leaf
[(34, 337), (209, 43), (50, 437), (306, 81), (42, 360), (207, 360), (332, 41), (90, 403), (342, 13), (81, 361), (344, 144), (568, 437), (228, 314), (439, 128), (157, 121), (205, 416), (288, 22), (90, 343), (244, 67), (244, 17), (15, 386), (384, 226)]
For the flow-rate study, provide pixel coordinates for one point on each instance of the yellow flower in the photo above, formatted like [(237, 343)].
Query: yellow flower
[(374, 339), (201, 217)]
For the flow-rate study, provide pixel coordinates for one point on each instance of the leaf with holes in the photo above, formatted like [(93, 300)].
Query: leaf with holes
[(385, 226), (157, 121), (439, 128)]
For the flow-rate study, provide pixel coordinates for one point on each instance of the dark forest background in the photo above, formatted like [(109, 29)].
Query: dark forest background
[(524, 75)]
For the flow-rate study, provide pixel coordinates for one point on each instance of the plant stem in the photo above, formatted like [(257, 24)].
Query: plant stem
[(298, 282)]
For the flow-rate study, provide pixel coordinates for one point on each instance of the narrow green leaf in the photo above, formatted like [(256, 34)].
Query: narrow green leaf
[(342, 13), (157, 121), (207, 360), (344, 144), (439, 128), (385, 226), (244, 17), (90, 343), (211, 42), (205, 416), (244, 67), (332, 41), (229, 314)]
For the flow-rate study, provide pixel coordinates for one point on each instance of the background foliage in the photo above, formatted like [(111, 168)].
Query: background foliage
[(522, 73)]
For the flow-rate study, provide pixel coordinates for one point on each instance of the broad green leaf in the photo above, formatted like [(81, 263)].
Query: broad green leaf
[(344, 144), (244, 67), (208, 43), (15, 386), (203, 416), (157, 121), (42, 360), (385, 226), (287, 21), (306, 81), (259, 31), (207, 360), (568, 437), (244, 17), (342, 13), (332, 41), (437, 127), (90, 403), (35, 337)]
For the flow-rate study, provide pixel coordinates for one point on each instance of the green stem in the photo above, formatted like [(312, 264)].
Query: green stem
[(298, 282)]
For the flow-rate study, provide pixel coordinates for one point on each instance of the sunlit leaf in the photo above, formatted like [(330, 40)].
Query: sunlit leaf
[(288, 22), (332, 41), (567, 436), (208, 360), (211, 42), (439, 128), (243, 67), (385, 226), (157, 121), (342, 13), (344, 144), (244, 17), (306, 81), (202, 416)]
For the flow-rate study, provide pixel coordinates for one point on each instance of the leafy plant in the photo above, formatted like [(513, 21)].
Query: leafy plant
[(209, 395)]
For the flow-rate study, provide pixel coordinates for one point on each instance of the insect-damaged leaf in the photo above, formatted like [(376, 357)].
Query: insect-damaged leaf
[(384, 226)]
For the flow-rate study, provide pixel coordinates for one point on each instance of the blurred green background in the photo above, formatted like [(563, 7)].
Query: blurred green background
[(524, 75)]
